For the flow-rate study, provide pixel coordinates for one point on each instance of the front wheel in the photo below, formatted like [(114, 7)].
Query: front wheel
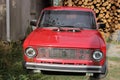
[(98, 76)]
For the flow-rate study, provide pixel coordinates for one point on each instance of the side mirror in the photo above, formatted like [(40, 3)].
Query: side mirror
[(101, 25), (33, 23)]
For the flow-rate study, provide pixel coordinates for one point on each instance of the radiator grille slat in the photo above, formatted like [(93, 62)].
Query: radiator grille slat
[(62, 53), (65, 53)]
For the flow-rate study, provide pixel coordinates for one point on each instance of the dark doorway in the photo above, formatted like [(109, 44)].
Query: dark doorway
[(38, 5)]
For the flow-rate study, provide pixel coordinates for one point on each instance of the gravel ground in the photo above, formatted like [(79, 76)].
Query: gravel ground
[(113, 50)]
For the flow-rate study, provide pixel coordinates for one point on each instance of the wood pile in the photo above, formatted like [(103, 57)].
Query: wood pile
[(107, 11)]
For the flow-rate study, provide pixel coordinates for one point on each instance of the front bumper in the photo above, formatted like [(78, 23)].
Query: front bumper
[(63, 68)]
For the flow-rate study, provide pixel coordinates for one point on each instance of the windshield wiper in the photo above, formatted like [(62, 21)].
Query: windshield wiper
[(48, 25), (80, 28), (73, 28), (67, 26), (57, 26)]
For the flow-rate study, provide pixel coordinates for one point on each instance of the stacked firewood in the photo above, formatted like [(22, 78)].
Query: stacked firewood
[(107, 11)]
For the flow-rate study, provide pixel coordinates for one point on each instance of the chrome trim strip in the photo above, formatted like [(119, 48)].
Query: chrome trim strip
[(64, 68), (56, 65)]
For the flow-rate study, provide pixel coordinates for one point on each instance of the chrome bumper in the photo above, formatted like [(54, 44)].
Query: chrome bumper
[(64, 68)]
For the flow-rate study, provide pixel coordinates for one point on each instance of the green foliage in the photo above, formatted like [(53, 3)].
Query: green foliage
[(29, 30), (11, 63), (108, 40), (23, 77), (114, 58)]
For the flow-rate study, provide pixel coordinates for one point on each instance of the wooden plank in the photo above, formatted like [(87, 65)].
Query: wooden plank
[(2, 20)]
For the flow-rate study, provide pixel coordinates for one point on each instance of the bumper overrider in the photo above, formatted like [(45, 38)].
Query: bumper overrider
[(63, 68)]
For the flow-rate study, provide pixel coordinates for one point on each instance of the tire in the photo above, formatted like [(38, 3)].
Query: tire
[(28, 71), (98, 76)]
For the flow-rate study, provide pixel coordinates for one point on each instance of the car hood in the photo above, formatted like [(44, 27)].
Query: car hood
[(48, 37)]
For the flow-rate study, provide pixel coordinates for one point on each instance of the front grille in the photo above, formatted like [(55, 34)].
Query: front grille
[(62, 53), (65, 53)]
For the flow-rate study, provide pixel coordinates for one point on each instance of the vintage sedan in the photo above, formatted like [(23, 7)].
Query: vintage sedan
[(66, 39)]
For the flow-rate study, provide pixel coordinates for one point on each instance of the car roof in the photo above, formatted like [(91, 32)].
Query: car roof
[(69, 8)]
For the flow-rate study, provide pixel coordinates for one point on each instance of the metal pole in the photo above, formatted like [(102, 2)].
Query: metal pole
[(8, 20)]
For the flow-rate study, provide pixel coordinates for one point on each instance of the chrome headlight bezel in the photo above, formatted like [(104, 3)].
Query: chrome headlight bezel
[(30, 52), (97, 55)]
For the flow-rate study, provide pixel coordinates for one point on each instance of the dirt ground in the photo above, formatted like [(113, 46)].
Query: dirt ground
[(113, 50)]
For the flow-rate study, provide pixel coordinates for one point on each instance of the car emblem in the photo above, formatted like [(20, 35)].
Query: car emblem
[(82, 57), (64, 54)]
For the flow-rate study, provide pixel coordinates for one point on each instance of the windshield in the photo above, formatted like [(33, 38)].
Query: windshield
[(62, 18)]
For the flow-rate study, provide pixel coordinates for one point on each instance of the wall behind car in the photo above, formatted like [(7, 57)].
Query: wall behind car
[(21, 12), (2, 20)]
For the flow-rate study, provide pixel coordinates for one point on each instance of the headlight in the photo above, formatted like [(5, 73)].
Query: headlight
[(97, 55), (30, 52)]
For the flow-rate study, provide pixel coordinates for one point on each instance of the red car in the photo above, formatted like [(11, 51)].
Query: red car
[(66, 39)]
